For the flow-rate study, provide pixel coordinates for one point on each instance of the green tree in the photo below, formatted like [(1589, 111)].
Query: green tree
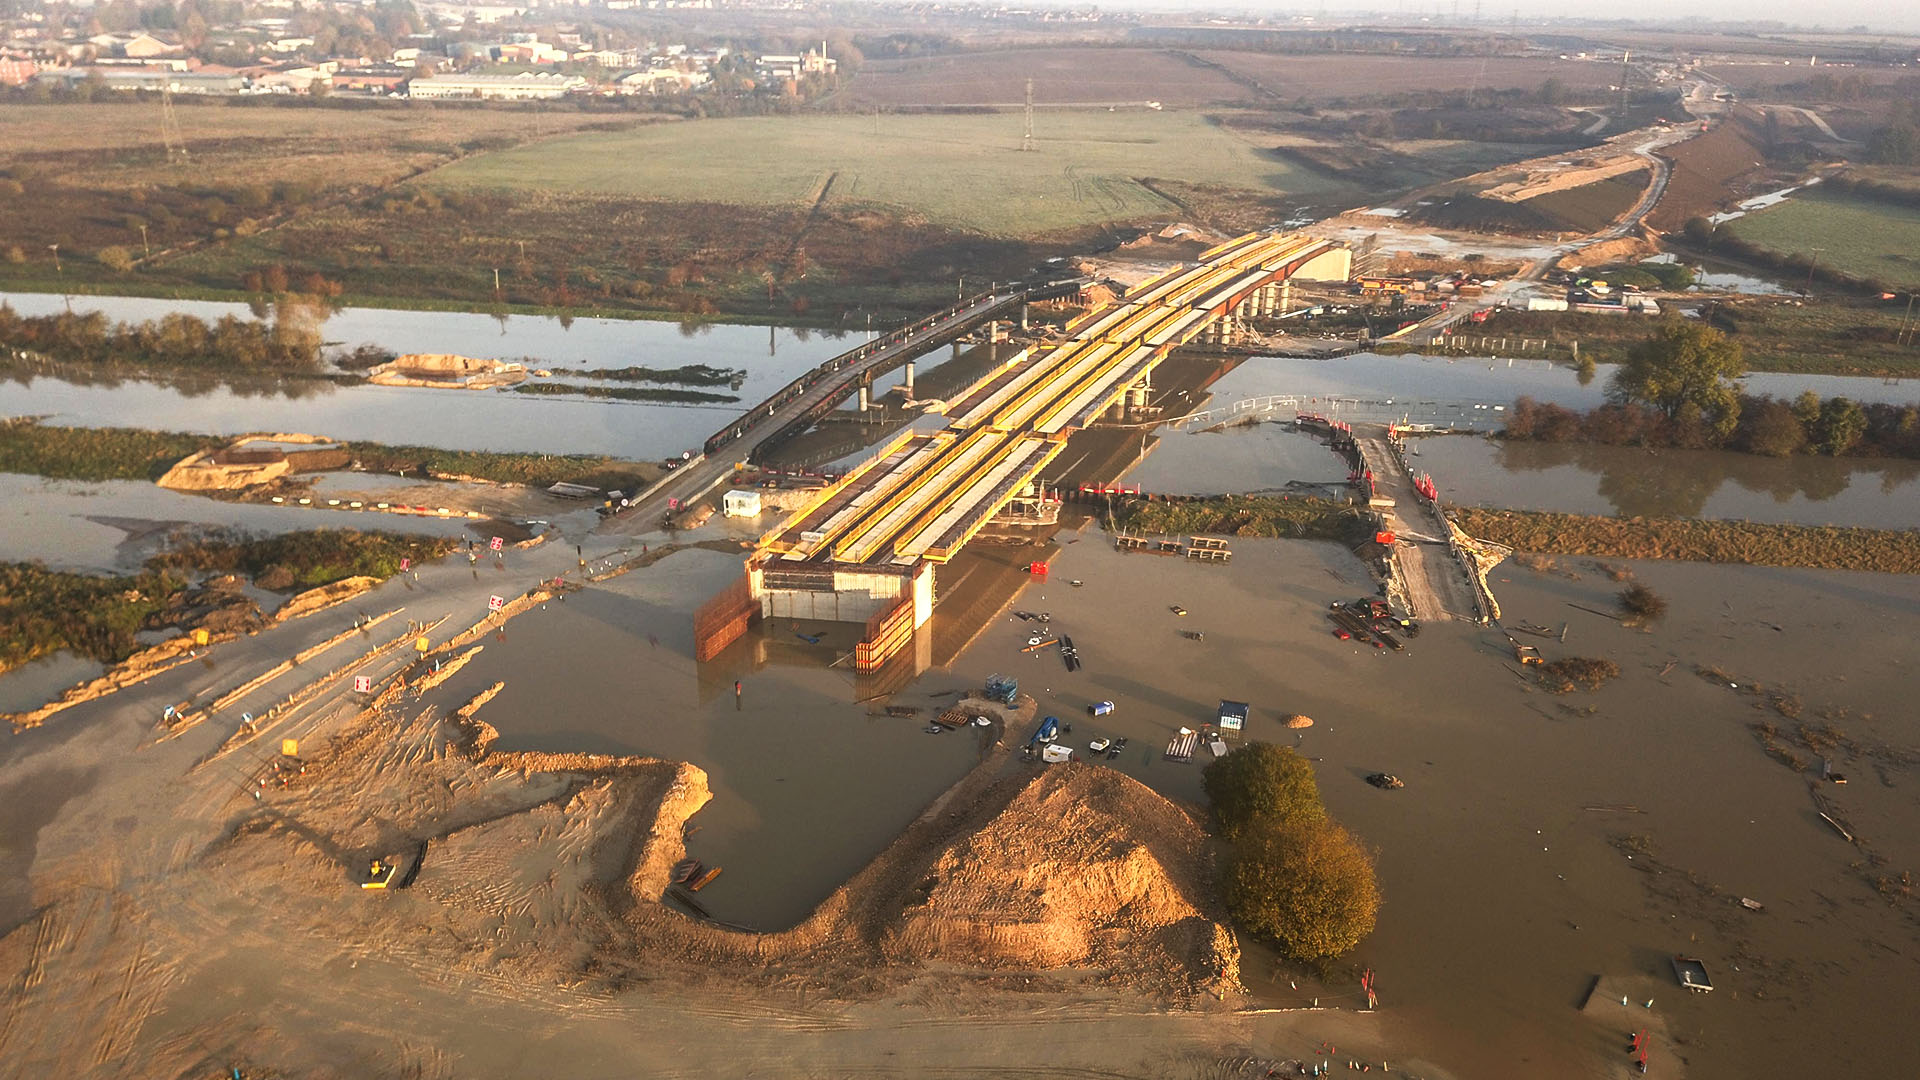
[(1774, 429), (1684, 367), (1842, 422), (1307, 886), (1262, 785)]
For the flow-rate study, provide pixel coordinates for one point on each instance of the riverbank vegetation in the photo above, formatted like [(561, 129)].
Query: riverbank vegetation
[(684, 375), (1826, 547), (536, 470), (1837, 427), (626, 393), (299, 559), (76, 453), (44, 611), (66, 453), (1294, 876), (287, 344), (1242, 515)]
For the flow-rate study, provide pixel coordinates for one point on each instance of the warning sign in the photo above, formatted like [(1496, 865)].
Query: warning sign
[(362, 684), (496, 543), (495, 603)]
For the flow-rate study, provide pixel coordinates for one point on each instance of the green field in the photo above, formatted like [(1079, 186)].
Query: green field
[(1863, 238), (962, 172)]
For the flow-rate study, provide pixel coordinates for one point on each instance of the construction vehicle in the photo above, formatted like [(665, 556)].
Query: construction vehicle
[(379, 874), (1526, 654)]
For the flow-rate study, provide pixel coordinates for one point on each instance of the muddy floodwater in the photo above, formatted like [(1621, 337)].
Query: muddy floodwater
[(1590, 479), (1541, 840), (807, 786), (1504, 859)]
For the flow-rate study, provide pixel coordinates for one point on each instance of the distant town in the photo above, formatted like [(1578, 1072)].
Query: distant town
[(429, 51)]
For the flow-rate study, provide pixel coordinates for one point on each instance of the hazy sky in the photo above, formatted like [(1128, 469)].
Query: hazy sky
[(1890, 15)]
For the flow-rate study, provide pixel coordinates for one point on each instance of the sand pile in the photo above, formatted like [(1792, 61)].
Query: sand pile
[(1084, 867)]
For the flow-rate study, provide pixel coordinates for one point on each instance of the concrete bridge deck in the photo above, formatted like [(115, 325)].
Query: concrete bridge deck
[(922, 497)]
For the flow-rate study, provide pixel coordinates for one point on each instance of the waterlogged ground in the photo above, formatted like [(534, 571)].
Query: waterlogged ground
[(1505, 890)]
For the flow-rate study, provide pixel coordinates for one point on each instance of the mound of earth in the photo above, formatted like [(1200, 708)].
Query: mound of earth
[(554, 868), (1084, 867)]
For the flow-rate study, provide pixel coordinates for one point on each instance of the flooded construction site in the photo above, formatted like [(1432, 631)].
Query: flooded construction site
[(1545, 859)]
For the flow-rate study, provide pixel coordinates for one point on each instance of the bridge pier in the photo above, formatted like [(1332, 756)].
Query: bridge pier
[(1140, 392), (866, 398), (906, 383)]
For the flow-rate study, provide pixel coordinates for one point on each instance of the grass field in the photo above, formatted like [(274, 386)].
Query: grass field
[(963, 172), (1863, 238)]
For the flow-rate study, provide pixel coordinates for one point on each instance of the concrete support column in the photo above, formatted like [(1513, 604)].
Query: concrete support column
[(907, 384), (1023, 315), (1286, 295), (866, 401)]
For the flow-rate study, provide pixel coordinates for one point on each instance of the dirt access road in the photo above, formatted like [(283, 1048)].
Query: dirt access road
[(1653, 140)]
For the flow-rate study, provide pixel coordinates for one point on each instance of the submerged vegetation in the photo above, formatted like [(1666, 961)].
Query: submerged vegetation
[(300, 559), (44, 611), (1577, 673), (684, 375), (78, 453), (1295, 877), (97, 616), (1640, 606), (539, 470), (1243, 515), (68, 453), (628, 393), (1826, 547)]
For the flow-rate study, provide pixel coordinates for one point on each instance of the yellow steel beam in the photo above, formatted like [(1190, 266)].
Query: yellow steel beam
[(851, 535)]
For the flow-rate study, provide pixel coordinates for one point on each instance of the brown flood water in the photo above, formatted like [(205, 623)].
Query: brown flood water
[(1505, 890), (807, 787), (1505, 895)]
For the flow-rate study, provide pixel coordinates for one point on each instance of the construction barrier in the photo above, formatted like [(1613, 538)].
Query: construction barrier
[(721, 621), (888, 632)]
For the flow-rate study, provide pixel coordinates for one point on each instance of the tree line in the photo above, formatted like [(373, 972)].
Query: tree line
[(288, 343), (1676, 388)]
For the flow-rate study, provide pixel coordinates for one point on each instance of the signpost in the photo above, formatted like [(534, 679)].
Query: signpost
[(363, 684), (495, 603)]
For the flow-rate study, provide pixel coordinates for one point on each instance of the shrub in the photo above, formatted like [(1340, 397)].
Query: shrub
[(1578, 672), (1640, 605), (117, 259)]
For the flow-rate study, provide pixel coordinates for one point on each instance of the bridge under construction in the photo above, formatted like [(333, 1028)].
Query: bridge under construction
[(865, 547)]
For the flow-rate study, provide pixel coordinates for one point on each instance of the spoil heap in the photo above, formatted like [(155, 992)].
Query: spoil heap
[(1084, 867)]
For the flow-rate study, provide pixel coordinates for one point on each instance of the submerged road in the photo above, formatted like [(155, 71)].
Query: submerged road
[(707, 471)]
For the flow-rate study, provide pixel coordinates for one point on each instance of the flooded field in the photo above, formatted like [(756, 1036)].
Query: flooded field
[(1506, 890), (114, 525), (33, 685)]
